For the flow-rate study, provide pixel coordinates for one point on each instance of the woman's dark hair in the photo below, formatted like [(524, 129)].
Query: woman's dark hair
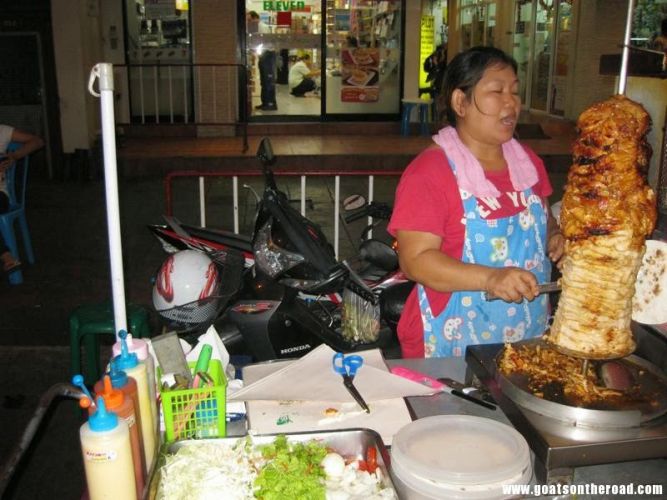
[(464, 72)]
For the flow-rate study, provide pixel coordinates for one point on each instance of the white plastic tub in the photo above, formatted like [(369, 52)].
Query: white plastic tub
[(458, 457)]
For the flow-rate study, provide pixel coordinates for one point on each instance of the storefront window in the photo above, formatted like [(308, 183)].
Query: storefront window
[(543, 39), (159, 55), (353, 70), (478, 23), (646, 21), (284, 57), (363, 56), (561, 62), (522, 39)]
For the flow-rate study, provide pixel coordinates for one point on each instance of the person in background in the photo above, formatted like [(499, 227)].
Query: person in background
[(660, 43), (301, 77), (266, 65), (471, 216), (29, 143), (435, 66)]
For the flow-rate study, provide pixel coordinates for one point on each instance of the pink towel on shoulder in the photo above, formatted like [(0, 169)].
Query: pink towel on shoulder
[(470, 173)]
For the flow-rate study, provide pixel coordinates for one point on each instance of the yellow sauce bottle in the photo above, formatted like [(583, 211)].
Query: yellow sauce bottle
[(130, 364), (107, 456)]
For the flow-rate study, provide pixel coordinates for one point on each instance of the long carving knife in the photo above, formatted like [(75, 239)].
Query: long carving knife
[(551, 287)]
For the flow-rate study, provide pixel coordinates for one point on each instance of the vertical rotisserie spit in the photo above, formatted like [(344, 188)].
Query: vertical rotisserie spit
[(607, 212)]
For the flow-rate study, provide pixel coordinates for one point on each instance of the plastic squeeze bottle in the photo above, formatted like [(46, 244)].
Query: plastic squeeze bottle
[(136, 369), (128, 386), (107, 456), (140, 348), (122, 406)]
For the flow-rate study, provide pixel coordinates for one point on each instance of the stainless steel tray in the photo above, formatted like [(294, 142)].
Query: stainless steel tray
[(347, 442)]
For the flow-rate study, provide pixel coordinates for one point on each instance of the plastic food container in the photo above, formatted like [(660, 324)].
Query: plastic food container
[(458, 457)]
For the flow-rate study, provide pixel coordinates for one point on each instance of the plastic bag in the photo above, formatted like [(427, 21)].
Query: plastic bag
[(361, 319)]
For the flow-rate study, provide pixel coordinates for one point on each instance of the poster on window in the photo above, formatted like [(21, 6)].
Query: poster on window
[(361, 75)]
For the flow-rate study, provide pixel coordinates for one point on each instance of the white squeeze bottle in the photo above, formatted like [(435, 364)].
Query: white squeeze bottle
[(107, 456), (130, 364), (140, 348)]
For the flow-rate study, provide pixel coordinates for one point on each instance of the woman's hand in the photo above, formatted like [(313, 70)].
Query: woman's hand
[(555, 239), (512, 284), (556, 248)]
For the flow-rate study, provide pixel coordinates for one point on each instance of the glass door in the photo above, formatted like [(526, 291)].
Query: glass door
[(478, 23), (522, 46), (284, 57), (363, 57), (543, 40), (541, 48), (561, 59)]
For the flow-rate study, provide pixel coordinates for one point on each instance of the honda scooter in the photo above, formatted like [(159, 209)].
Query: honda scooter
[(288, 297)]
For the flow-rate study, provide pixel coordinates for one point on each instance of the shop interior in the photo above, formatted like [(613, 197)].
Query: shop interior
[(357, 71)]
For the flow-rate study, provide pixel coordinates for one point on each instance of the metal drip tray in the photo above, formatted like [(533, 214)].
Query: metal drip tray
[(564, 437), (648, 401)]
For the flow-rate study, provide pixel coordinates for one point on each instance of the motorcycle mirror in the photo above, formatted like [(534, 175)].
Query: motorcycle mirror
[(353, 202), (265, 152)]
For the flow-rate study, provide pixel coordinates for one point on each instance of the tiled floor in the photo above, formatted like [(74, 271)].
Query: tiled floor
[(290, 105)]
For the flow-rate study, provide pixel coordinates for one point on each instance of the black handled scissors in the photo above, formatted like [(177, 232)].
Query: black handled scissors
[(347, 367)]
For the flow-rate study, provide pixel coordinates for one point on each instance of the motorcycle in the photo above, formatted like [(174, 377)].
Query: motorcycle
[(284, 291)]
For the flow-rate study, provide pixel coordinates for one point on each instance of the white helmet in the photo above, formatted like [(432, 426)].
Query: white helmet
[(186, 287)]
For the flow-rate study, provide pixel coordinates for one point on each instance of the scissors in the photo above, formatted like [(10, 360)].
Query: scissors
[(347, 367)]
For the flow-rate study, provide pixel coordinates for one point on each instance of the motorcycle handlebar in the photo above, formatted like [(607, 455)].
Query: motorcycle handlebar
[(373, 209)]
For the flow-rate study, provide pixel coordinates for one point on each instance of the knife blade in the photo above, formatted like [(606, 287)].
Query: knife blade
[(347, 381), (550, 287)]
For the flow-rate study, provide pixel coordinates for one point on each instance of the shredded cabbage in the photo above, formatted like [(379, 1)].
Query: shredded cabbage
[(277, 471), (202, 471)]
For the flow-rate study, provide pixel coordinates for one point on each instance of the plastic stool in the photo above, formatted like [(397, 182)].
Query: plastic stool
[(424, 107), (97, 319)]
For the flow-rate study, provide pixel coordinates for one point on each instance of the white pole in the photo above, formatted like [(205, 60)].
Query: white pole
[(303, 195), (623, 77), (202, 202), (336, 213), (235, 189), (371, 186), (104, 72)]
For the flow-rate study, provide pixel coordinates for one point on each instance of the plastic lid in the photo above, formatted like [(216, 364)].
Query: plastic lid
[(102, 420), (118, 377), (112, 397), (137, 346), (461, 450), (125, 360), (77, 380)]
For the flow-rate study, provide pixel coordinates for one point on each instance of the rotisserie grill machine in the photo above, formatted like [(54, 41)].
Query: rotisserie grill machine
[(564, 436)]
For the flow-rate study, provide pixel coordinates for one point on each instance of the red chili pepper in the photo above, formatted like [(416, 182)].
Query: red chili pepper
[(362, 465), (372, 459)]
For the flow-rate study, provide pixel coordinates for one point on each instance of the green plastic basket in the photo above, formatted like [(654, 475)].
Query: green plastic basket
[(196, 413)]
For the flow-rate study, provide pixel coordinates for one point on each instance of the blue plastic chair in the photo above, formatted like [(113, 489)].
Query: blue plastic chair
[(424, 109), (16, 177)]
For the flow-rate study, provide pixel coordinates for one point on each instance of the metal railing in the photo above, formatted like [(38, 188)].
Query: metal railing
[(182, 94), (336, 175)]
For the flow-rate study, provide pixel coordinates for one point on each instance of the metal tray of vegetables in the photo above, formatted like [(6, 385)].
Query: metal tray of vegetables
[(349, 464)]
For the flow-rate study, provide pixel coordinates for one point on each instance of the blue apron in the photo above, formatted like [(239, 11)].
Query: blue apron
[(469, 319)]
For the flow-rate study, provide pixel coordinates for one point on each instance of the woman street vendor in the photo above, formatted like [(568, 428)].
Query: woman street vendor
[(471, 216)]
